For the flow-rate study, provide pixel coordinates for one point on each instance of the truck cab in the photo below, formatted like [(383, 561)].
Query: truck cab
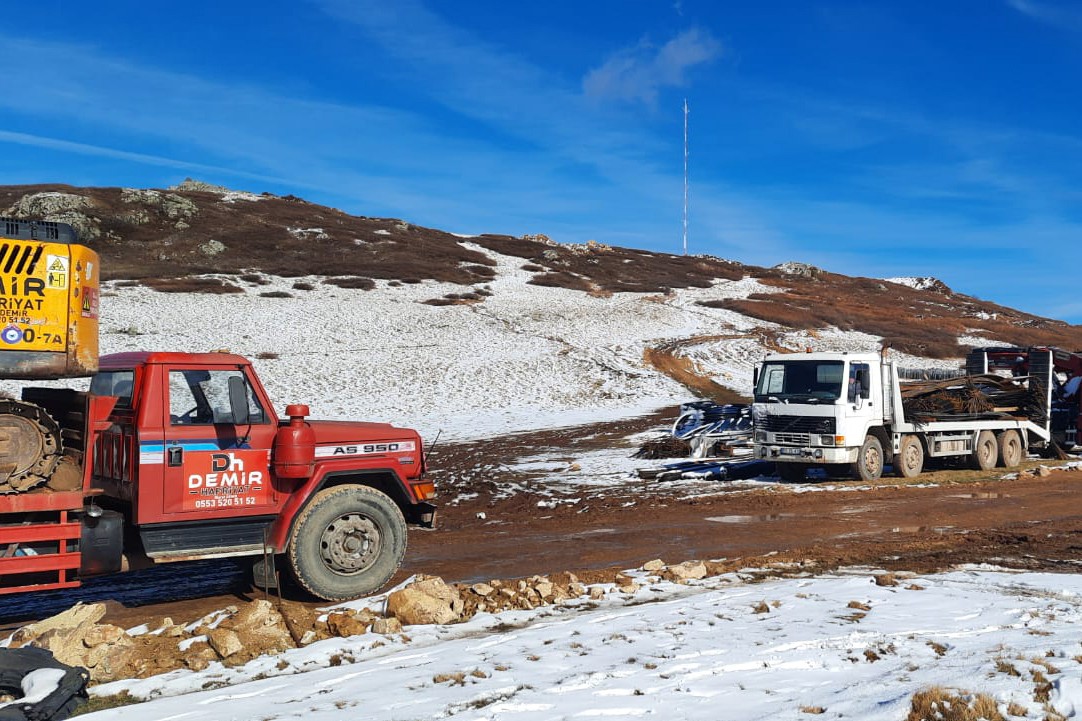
[(809, 408)]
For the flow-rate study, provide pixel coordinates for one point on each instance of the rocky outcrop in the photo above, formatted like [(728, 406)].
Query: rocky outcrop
[(59, 208), (175, 208), (803, 270)]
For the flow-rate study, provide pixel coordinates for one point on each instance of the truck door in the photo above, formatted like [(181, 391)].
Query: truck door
[(215, 466), (861, 401)]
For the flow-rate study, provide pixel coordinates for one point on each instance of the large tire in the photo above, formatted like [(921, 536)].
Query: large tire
[(31, 447), (347, 542), (869, 465), (985, 452), (792, 472), (909, 460), (1010, 449)]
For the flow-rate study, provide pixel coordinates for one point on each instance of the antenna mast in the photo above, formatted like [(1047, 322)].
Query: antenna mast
[(685, 176)]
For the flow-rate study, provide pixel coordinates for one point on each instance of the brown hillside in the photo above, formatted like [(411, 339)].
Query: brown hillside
[(197, 229)]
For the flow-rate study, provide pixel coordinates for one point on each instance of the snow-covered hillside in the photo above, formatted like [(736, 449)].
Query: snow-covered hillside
[(526, 357)]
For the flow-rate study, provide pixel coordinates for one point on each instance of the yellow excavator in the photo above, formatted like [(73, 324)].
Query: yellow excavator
[(49, 295)]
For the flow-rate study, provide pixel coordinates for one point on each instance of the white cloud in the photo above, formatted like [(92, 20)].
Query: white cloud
[(637, 74), (1068, 17)]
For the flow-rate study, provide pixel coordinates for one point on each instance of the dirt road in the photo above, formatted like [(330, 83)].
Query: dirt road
[(1027, 523)]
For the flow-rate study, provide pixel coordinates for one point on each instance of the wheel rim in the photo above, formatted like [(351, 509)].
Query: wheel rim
[(873, 462), (350, 544), (911, 459)]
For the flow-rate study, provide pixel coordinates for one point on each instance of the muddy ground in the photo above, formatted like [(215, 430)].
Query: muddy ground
[(949, 518)]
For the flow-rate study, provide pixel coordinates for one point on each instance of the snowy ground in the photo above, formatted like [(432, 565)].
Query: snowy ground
[(723, 648)]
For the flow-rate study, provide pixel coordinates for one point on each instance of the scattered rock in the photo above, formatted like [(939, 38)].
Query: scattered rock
[(387, 626), (886, 579), (224, 641), (427, 600), (78, 615), (482, 589), (686, 571), (212, 248), (346, 624)]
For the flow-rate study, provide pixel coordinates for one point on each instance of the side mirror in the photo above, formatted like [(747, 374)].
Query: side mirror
[(238, 400)]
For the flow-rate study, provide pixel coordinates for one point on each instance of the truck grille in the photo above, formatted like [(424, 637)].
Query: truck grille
[(801, 439), (793, 425)]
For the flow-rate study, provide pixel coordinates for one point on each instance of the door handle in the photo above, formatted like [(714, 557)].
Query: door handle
[(175, 455)]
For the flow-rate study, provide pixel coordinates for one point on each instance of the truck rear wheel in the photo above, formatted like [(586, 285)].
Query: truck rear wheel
[(985, 452), (347, 542), (1010, 449), (909, 461), (869, 465)]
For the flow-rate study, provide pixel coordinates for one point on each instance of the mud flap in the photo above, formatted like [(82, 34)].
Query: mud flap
[(265, 573), (18, 663)]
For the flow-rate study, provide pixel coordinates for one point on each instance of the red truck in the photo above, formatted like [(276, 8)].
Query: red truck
[(180, 456)]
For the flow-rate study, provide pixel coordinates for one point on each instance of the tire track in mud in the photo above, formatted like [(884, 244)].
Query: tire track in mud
[(666, 358)]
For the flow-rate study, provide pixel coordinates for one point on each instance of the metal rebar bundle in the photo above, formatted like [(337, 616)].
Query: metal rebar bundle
[(983, 396)]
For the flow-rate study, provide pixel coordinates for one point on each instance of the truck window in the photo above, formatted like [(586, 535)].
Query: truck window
[(114, 383), (201, 397), (801, 381), (859, 382)]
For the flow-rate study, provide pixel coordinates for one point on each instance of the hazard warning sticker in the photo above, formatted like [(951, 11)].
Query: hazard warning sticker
[(56, 272), (90, 303)]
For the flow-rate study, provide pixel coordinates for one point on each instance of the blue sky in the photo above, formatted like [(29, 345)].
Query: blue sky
[(876, 138)]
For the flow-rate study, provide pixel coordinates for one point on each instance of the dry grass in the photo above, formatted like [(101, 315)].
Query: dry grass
[(191, 285), (352, 281), (944, 704)]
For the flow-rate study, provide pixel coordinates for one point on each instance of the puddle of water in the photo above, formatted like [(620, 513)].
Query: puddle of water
[(750, 519), (922, 529), (984, 495)]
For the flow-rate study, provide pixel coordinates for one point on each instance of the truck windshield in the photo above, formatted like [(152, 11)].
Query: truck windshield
[(800, 381)]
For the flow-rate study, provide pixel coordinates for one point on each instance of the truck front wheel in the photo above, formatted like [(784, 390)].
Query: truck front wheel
[(869, 465), (985, 452), (347, 542), (909, 461)]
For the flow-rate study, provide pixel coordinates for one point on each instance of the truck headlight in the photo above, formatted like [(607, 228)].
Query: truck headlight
[(760, 436), (826, 440)]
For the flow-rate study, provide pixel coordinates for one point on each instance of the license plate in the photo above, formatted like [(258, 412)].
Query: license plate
[(790, 451)]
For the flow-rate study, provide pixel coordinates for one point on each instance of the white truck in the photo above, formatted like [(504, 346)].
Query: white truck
[(843, 412)]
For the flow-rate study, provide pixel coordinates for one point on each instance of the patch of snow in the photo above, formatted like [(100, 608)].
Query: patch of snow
[(307, 233), (233, 196), (917, 283), (37, 685), (767, 648)]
